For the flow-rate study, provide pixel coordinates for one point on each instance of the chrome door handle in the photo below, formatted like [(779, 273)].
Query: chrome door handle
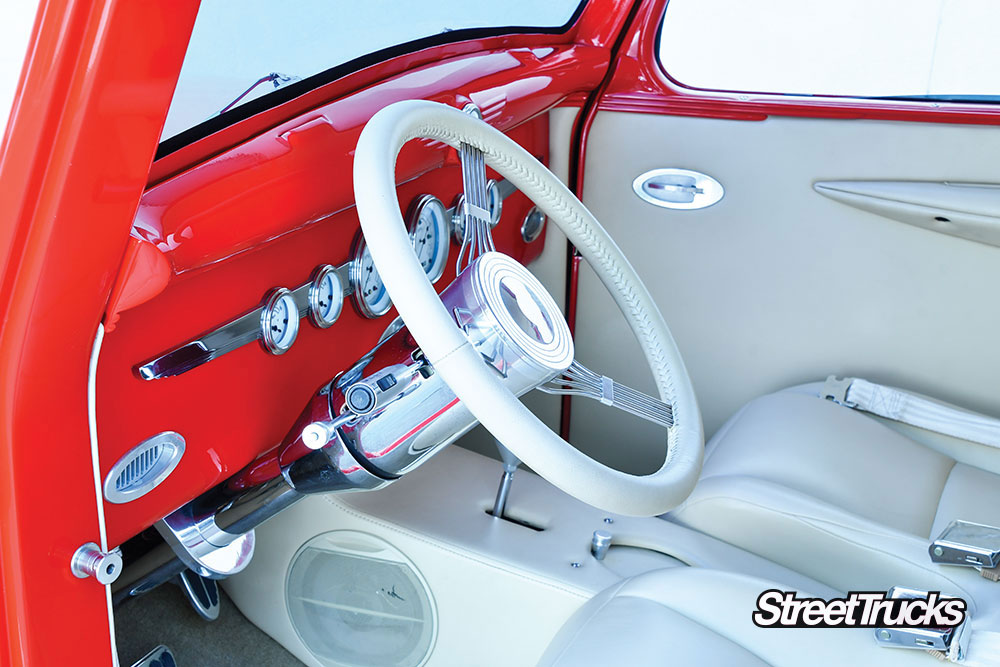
[(688, 191), (678, 189)]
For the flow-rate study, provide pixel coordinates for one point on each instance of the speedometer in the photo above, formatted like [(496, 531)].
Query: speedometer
[(428, 221), (370, 295)]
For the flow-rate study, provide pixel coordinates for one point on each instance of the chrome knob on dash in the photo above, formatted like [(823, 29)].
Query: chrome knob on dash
[(317, 435), (600, 543)]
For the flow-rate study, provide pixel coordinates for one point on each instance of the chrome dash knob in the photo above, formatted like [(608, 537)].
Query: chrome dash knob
[(90, 561)]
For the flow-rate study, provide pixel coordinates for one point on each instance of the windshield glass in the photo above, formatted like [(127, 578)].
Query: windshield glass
[(241, 51)]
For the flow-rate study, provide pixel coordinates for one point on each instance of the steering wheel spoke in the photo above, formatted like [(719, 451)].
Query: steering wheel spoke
[(475, 212), (578, 380)]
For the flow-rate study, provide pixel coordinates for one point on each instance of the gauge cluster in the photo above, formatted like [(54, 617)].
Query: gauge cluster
[(275, 323), (429, 224)]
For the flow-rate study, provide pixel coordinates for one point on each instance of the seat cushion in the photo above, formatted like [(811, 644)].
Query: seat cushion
[(836, 455), (692, 616), (838, 496)]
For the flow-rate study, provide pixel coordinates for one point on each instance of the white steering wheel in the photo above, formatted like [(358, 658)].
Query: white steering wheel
[(462, 367)]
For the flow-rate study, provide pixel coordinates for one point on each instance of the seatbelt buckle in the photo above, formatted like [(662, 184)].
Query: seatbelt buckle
[(969, 544), (946, 642), (835, 389)]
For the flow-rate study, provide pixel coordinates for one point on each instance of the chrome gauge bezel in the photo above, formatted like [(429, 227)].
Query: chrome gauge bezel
[(354, 275), (315, 295), (533, 225), (494, 196), (442, 238), (268, 308)]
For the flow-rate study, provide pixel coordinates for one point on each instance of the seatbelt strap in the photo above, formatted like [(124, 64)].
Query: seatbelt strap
[(907, 408)]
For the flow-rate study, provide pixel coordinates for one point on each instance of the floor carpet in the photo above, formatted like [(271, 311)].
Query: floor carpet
[(163, 616)]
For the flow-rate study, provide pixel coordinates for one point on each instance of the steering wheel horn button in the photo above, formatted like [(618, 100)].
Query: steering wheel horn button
[(510, 317), (525, 310)]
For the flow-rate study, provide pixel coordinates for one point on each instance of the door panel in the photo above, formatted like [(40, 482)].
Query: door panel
[(777, 284), (966, 210)]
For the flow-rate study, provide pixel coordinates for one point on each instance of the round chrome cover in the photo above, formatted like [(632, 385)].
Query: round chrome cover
[(524, 311)]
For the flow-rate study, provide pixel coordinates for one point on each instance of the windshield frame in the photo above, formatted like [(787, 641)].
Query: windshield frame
[(296, 89)]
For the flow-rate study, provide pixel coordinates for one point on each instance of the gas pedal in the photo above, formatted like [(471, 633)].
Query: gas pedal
[(158, 657), (202, 593)]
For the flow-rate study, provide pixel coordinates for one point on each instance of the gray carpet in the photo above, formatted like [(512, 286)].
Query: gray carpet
[(163, 616)]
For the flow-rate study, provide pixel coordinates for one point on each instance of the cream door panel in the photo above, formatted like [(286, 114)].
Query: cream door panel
[(966, 210), (776, 284)]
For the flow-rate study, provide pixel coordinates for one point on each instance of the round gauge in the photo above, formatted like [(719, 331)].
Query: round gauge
[(279, 321), (429, 234), (495, 200), (326, 296), (370, 295), (533, 225)]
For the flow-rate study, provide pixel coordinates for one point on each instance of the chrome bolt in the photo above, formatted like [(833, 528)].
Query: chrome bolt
[(90, 561), (608, 519), (884, 634), (938, 551), (576, 564)]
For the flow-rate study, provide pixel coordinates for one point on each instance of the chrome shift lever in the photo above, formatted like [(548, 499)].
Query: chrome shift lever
[(510, 464)]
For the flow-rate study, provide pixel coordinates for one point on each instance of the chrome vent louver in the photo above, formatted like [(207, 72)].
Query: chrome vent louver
[(144, 467)]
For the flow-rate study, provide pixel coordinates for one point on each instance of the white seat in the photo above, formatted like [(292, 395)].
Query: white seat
[(843, 498), (692, 616)]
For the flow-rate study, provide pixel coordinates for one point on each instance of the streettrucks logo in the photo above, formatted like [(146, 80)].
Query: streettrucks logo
[(860, 609)]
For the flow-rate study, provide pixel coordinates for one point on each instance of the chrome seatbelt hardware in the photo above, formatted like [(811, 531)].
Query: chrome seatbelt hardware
[(945, 642), (966, 543), (912, 409), (835, 389)]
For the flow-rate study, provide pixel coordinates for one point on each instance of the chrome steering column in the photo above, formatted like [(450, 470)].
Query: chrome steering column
[(384, 416)]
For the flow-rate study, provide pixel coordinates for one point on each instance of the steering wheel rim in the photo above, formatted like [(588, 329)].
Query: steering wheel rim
[(462, 367)]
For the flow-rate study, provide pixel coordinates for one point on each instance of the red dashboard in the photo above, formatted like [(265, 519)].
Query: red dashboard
[(261, 215)]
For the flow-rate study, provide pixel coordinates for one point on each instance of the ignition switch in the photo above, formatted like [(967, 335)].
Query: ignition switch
[(378, 390)]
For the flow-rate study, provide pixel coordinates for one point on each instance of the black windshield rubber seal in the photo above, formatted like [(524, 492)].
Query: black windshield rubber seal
[(286, 93)]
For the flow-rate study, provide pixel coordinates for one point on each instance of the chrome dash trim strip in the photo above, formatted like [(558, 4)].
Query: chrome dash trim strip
[(232, 335)]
